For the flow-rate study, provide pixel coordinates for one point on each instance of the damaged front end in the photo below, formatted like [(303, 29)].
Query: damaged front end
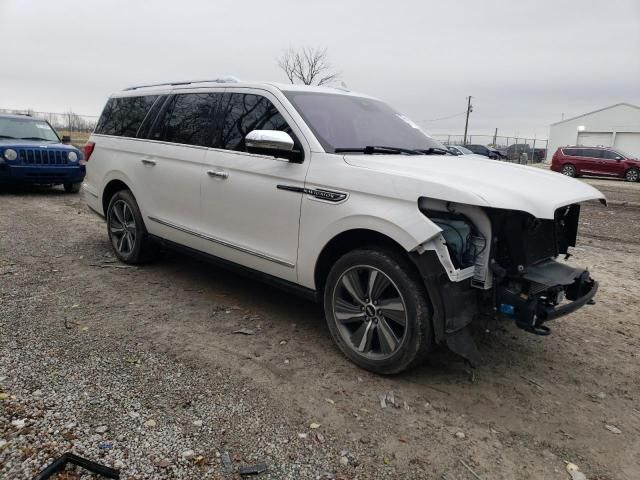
[(530, 285), (495, 262)]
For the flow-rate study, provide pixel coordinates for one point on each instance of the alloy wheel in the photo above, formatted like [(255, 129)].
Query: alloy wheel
[(122, 226), (632, 175), (569, 170), (370, 312)]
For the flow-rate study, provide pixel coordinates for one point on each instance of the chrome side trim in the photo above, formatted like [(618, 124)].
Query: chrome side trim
[(222, 242)]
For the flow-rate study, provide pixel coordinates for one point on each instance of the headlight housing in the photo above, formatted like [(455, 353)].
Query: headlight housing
[(72, 156), (10, 154)]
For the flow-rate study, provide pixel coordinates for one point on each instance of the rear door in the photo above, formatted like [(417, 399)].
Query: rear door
[(586, 160), (172, 166), (248, 217)]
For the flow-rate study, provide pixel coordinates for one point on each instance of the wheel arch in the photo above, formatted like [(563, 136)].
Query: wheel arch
[(110, 189), (347, 241)]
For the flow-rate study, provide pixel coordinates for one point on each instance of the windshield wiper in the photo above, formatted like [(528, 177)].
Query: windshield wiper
[(37, 138), (370, 150), (7, 136), (435, 151)]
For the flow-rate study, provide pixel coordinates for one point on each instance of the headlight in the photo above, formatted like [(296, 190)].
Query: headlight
[(10, 154), (72, 156)]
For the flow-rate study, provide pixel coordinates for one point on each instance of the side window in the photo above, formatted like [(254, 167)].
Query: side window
[(592, 153), (241, 113), (187, 120), (609, 155), (572, 152), (123, 116), (147, 124)]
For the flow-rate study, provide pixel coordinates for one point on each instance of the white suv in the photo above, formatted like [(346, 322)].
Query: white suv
[(340, 197)]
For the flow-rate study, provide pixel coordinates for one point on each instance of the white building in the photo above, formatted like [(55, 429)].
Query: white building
[(615, 126)]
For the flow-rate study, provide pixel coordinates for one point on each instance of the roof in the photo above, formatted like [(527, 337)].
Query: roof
[(596, 111), (17, 116), (227, 82)]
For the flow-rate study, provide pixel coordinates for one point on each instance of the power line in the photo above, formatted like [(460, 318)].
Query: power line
[(443, 118)]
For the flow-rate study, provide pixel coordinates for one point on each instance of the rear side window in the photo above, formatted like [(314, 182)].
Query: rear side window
[(592, 153), (572, 152), (123, 116), (240, 114), (188, 119)]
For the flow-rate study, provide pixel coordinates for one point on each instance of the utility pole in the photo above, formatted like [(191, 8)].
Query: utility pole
[(466, 123), (495, 137)]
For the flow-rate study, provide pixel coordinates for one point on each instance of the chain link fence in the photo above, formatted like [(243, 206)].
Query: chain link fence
[(514, 149)]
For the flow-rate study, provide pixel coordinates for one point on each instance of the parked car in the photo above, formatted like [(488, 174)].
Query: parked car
[(485, 151), (599, 161), (515, 151), (339, 197), (31, 152), (460, 150)]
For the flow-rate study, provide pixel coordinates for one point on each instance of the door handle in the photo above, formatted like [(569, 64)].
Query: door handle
[(215, 174), (148, 161)]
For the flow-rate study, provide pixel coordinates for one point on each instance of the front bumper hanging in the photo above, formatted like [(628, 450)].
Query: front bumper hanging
[(539, 295)]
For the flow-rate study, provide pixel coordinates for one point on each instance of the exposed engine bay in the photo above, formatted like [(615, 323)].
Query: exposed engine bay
[(505, 264)]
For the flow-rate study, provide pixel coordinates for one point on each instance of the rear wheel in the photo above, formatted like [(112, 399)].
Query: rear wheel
[(377, 310), (126, 229), (632, 175), (568, 170), (72, 187)]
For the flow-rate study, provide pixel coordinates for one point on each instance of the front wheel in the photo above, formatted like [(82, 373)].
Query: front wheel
[(377, 310), (569, 170), (632, 175), (126, 229), (72, 187)]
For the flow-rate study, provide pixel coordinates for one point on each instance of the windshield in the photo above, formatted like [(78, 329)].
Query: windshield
[(464, 151), (27, 129), (350, 122)]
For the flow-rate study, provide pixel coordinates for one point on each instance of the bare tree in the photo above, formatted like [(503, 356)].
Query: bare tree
[(308, 66)]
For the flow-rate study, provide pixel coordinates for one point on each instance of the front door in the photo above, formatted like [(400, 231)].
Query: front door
[(247, 216)]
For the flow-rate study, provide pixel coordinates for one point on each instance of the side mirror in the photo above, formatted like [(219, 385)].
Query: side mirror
[(66, 139), (266, 141), (618, 158)]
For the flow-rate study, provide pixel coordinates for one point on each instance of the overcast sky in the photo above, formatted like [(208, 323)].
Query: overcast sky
[(525, 63)]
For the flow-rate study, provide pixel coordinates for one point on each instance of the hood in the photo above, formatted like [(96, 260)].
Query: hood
[(487, 183), (17, 143)]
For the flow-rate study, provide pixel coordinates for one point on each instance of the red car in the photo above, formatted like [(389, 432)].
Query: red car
[(597, 161)]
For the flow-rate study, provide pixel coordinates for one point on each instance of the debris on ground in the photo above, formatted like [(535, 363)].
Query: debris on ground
[(575, 472), (253, 469), (613, 429), (245, 331)]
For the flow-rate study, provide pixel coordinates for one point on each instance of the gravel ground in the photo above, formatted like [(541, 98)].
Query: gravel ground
[(139, 369)]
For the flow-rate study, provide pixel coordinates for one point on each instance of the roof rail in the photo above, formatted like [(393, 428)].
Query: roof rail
[(225, 79)]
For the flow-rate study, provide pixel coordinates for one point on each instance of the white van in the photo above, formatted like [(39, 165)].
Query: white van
[(339, 197)]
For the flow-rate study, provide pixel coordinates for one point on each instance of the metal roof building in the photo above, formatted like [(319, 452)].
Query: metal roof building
[(616, 126)]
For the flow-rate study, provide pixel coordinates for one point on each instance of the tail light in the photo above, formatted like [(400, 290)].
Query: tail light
[(88, 150)]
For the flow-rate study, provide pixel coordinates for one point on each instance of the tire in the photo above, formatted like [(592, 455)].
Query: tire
[(568, 170), (362, 328), (126, 230), (632, 175), (72, 187)]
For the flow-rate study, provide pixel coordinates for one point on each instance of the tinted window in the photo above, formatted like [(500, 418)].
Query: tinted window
[(609, 155), (592, 153), (188, 119), (572, 152), (241, 113), (123, 116), (147, 125)]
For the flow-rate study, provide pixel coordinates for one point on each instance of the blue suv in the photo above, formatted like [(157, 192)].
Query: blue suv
[(32, 153)]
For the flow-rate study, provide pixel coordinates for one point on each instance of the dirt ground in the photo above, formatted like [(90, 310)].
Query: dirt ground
[(84, 339)]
